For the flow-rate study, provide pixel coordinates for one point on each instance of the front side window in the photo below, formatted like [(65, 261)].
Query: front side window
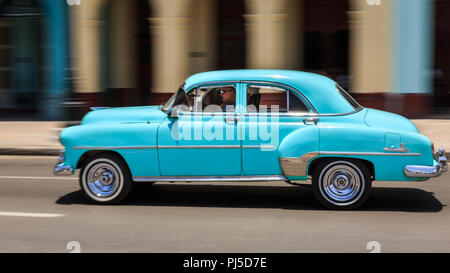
[(214, 98), (270, 99)]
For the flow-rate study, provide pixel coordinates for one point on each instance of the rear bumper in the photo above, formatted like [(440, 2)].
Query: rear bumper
[(428, 171), (60, 168)]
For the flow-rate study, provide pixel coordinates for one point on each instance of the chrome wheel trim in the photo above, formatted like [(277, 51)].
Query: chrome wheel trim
[(103, 180), (341, 183)]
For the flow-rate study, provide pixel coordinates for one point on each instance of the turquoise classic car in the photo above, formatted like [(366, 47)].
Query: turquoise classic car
[(249, 126)]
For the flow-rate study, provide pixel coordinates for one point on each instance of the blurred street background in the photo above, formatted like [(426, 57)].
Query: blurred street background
[(60, 57)]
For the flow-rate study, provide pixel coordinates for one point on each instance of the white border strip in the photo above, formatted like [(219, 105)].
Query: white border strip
[(38, 177), (27, 214)]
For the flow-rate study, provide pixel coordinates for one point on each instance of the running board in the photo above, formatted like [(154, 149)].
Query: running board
[(209, 178)]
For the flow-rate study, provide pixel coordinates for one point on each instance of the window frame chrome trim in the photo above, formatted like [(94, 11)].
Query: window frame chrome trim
[(287, 88)]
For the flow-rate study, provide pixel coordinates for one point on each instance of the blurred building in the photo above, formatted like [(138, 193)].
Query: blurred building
[(391, 54), (33, 58)]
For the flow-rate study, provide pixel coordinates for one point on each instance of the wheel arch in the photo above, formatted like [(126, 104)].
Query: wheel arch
[(315, 162), (89, 154)]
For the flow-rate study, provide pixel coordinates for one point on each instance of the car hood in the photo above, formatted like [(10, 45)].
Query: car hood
[(125, 115), (390, 121)]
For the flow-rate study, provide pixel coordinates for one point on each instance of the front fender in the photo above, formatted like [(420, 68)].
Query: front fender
[(135, 142)]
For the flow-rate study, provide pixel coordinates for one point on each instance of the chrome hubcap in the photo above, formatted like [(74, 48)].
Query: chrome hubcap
[(341, 184), (103, 180)]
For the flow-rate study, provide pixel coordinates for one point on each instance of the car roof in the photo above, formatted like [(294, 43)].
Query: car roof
[(319, 90)]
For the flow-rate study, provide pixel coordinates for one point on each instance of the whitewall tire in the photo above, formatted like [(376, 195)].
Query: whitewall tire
[(105, 179), (341, 183)]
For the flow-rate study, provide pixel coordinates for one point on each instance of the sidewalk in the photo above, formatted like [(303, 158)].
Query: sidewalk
[(41, 138), (30, 138)]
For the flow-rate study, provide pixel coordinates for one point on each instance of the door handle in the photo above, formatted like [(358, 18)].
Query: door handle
[(310, 121), (231, 120)]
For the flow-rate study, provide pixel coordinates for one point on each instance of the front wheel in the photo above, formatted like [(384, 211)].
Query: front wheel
[(105, 179), (341, 184)]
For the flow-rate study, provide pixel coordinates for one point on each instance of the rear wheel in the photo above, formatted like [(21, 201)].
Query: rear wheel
[(105, 179), (341, 183)]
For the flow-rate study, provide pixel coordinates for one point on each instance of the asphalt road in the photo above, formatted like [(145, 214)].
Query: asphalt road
[(43, 213)]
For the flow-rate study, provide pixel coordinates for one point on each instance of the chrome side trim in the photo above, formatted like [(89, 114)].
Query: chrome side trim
[(174, 147), (209, 178), (402, 149), (113, 147), (369, 153), (290, 114), (201, 147), (258, 147), (296, 166), (157, 147), (341, 114)]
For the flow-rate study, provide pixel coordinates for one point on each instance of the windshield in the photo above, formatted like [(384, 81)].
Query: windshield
[(177, 98), (349, 98)]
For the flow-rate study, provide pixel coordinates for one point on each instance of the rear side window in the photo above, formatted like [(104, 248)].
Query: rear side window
[(295, 104), (262, 98), (348, 97)]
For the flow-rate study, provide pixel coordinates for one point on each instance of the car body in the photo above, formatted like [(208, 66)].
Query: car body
[(320, 132)]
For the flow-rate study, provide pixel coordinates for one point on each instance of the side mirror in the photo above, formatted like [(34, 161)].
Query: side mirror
[(175, 113), (177, 109)]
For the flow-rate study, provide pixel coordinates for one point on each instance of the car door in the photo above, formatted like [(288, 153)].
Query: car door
[(202, 140), (277, 123)]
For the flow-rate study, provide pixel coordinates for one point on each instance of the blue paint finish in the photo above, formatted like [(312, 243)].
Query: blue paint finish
[(278, 136), (122, 130), (141, 161), (200, 131), (350, 133), (206, 160), (378, 119), (412, 45), (125, 114), (393, 140)]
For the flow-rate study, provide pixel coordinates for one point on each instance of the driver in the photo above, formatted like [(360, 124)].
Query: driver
[(228, 95)]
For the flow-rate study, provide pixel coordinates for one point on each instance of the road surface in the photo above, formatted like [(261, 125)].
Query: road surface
[(43, 213)]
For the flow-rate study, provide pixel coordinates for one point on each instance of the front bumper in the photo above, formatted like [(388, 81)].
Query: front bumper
[(60, 169), (428, 171)]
